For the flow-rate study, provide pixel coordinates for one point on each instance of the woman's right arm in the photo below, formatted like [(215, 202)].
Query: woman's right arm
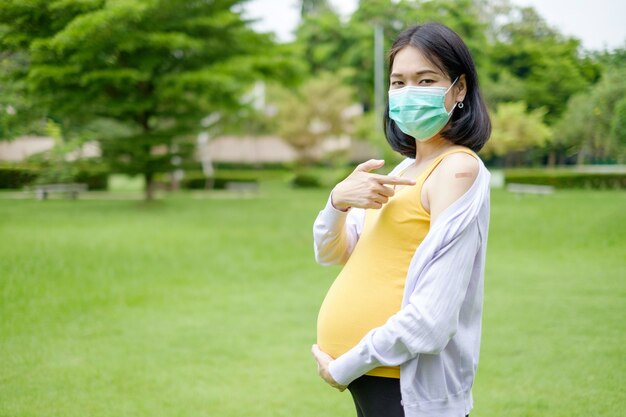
[(335, 233), (338, 226)]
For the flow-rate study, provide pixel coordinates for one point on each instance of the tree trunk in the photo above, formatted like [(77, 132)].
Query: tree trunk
[(552, 159), (149, 177)]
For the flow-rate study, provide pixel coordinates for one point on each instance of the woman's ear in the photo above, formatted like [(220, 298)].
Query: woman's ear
[(461, 89)]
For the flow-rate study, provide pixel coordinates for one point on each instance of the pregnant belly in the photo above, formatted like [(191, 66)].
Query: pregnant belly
[(352, 307)]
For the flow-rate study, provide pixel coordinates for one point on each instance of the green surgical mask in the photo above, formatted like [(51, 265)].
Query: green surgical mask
[(420, 111)]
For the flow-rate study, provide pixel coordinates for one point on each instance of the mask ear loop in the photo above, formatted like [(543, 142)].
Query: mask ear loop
[(450, 112), (455, 80), (460, 104)]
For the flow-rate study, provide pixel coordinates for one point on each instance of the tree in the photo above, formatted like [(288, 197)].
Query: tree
[(515, 132), (532, 62), (155, 66), (309, 7), (318, 110), (588, 127), (18, 114), (618, 129), (321, 40), (328, 44)]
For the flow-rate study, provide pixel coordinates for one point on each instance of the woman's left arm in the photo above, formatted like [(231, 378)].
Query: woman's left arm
[(454, 176), (430, 318)]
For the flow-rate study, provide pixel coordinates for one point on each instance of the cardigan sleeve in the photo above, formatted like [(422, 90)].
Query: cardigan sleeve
[(335, 234), (427, 321)]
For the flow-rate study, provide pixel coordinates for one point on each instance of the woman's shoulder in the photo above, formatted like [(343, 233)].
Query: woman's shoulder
[(456, 172), (460, 157), (451, 179)]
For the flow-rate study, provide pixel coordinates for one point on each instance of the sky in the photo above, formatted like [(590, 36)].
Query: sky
[(599, 24)]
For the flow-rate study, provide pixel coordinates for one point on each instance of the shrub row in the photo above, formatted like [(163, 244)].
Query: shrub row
[(266, 174), (18, 176), (96, 177), (560, 178), (197, 181), (277, 166), (306, 181)]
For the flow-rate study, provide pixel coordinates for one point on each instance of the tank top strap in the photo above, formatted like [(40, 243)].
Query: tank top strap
[(426, 173)]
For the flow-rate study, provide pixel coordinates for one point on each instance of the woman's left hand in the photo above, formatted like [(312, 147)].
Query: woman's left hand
[(323, 359)]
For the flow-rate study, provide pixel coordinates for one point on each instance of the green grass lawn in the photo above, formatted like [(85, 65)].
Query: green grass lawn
[(201, 306)]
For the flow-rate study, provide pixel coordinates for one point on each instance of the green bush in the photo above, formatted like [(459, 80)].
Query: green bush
[(196, 180), (15, 176), (95, 176), (20, 175), (563, 178), (266, 166), (306, 181), (265, 174)]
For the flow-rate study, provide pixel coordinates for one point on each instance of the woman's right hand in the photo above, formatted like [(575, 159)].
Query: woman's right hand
[(362, 189)]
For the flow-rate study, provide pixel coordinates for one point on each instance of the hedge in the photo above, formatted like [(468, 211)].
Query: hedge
[(197, 181), (306, 181), (96, 177), (18, 176), (562, 178), (13, 176)]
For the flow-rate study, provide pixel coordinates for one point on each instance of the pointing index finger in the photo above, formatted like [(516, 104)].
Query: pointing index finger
[(386, 179)]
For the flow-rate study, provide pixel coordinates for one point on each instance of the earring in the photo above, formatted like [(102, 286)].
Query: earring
[(460, 105)]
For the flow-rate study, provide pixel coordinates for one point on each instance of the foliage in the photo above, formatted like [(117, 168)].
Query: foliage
[(369, 127), (618, 129), (18, 113), (16, 176), (326, 43), (94, 175), (502, 88), (321, 41), (532, 62), (520, 58), (156, 66), (55, 167), (590, 126), (610, 59), (140, 76), (516, 130), (19, 175), (310, 7), (199, 181), (318, 110), (306, 180), (564, 178)]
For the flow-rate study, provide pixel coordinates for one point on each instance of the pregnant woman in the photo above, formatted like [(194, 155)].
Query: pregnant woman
[(400, 326)]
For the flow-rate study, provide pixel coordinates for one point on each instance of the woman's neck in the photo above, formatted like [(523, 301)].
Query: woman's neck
[(431, 148)]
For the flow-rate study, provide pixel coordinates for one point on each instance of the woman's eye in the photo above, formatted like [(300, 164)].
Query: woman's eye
[(426, 82), (397, 83)]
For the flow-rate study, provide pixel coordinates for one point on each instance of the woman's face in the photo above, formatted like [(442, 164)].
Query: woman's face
[(411, 68)]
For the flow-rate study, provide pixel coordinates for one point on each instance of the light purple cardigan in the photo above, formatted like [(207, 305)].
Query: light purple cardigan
[(435, 337)]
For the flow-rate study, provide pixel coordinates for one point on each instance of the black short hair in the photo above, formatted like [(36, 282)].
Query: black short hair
[(470, 125)]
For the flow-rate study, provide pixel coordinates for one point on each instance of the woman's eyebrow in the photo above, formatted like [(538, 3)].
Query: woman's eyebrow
[(418, 73)]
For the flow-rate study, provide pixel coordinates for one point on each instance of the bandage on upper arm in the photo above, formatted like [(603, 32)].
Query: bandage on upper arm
[(463, 175)]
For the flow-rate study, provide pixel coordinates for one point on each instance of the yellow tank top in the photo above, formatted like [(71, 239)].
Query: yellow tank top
[(369, 288)]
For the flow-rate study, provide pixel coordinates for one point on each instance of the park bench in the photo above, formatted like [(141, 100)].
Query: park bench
[(530, 189), (70, 190)]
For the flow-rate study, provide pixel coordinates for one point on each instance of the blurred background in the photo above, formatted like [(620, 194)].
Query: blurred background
[(162, 162)]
